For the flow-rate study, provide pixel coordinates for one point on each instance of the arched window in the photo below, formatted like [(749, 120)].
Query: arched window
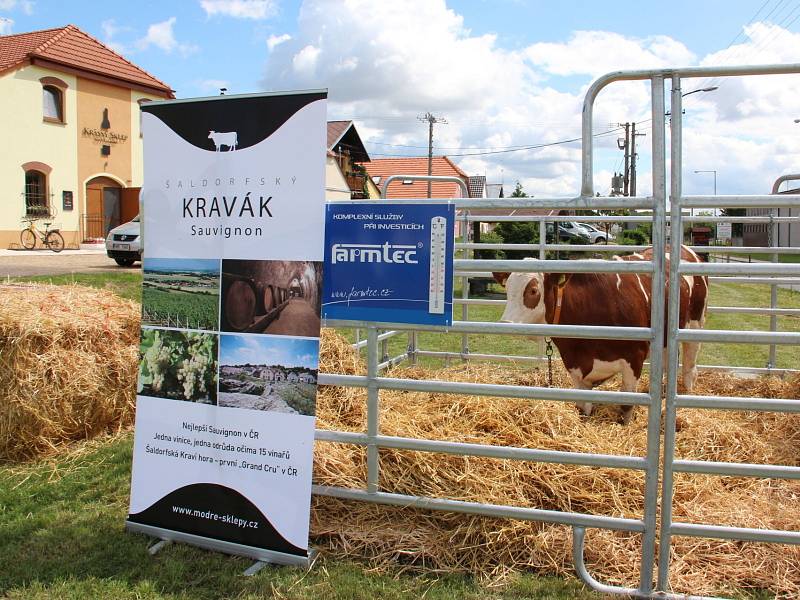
[(52, 104), (36, 194)]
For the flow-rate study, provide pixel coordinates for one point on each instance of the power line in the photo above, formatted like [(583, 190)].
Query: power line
[(515, 149)]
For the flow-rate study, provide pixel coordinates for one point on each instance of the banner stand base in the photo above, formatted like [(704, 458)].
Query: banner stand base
[(153, 550), (261, 555), (258, 565)]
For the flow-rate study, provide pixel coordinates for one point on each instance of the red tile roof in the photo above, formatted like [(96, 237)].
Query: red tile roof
[(71, 47), (336, 130), (416, 165)]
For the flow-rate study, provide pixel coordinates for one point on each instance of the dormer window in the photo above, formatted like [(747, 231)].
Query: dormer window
[(53, 90)]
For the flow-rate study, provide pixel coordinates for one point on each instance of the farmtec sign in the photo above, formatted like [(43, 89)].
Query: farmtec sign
[(233, 213)]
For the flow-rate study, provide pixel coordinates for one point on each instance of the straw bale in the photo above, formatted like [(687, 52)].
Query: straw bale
[(492, 548), (67, 366)]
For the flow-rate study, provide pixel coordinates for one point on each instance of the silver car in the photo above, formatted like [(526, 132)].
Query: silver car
[(598, 236), (123, 243)]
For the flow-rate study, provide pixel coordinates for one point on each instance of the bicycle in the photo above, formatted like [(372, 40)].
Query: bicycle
[(50, 238)]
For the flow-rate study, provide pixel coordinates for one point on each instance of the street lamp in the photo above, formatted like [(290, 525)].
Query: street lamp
[(705, 89), (691, 210), (715, 179)]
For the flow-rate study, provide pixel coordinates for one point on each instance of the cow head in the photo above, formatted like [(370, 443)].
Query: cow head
[(211, 134), (524, 297)]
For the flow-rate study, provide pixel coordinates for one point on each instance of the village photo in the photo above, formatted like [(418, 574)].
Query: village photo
[(180, 292), (268, 373), (271, 296), (180, 365)]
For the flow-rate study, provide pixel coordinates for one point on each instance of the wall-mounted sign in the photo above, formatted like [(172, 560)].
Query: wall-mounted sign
[(724, 231), (104, 135), (391, 263), (66, 200)]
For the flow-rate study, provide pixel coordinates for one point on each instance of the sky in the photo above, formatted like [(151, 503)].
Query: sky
[(504, 74), (268, 350), (182, 264)]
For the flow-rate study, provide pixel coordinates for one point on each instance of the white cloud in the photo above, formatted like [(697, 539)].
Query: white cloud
[(110, 31), (6, 25), (25, 6), (240, 9), (495, 97), (275, 40), (161, 35)]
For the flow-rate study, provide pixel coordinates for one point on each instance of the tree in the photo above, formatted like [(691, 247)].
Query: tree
[(518, 192)]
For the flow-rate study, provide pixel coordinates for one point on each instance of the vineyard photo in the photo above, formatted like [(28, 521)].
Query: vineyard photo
[(179, 365), (268, 373), (181, 293)]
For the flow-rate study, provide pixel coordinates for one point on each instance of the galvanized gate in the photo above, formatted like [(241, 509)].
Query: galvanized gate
[(646, 526)]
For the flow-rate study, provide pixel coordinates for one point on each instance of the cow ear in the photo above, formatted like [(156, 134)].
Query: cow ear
[(501, 277)]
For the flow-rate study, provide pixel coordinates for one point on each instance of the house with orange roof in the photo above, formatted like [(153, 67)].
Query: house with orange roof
[(71, 126), (345, 176), (381, 169)]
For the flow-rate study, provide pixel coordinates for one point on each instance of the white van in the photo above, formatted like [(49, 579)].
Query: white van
[(123, 243)]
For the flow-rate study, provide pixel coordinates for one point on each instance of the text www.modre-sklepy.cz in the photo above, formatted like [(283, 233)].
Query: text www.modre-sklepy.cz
[(212, 516)]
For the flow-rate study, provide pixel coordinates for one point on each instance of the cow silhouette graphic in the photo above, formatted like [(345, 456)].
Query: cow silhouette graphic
[(220, 139)]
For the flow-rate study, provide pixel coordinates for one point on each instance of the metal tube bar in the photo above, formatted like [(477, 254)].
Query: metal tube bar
[(756, 280), (382, 366), (563, 266), (475, 508), (383, 336), (739, 269), (556, 204), (342, 380), (481, 327), (759, 201), (578, 534), (727, 336), (587, 141), (513, 391), (670, 412), (444, 178), (502, 452), (782, 179), (657, 310), (745, 534), (687, 218), (773, 294), (372, 410), (477, 356), (744, 310), (782, 405), (736, 469), (465, 287)]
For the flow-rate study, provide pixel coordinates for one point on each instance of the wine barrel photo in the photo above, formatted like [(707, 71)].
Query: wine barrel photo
[(239, 303)]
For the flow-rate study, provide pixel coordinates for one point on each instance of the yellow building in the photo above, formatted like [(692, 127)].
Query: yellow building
[(72, 148)]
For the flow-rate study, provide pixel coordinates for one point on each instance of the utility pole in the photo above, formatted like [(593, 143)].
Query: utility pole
[(633, 158), (431, 120), (628, 146)]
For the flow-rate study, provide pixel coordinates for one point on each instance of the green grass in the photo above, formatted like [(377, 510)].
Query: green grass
[(62, 536), (127, 284)]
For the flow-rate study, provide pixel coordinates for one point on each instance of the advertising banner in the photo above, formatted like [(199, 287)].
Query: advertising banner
[(391, 263), (233, 221)]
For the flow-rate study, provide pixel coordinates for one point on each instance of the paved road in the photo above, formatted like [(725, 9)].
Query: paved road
[(15, 263)]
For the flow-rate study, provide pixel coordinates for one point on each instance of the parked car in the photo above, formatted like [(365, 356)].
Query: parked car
[(568, 234), (598, 236), (123, 243)]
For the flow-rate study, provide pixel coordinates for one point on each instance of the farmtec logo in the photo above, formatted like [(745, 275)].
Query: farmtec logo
[(374, 253)]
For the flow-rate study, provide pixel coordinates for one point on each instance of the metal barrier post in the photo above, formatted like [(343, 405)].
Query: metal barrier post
[(676, 233), (773, 290), (465, 288), (372, 410), (657, 310)]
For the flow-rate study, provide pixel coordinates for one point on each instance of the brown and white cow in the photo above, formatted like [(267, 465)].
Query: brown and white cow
[(609, 299)]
